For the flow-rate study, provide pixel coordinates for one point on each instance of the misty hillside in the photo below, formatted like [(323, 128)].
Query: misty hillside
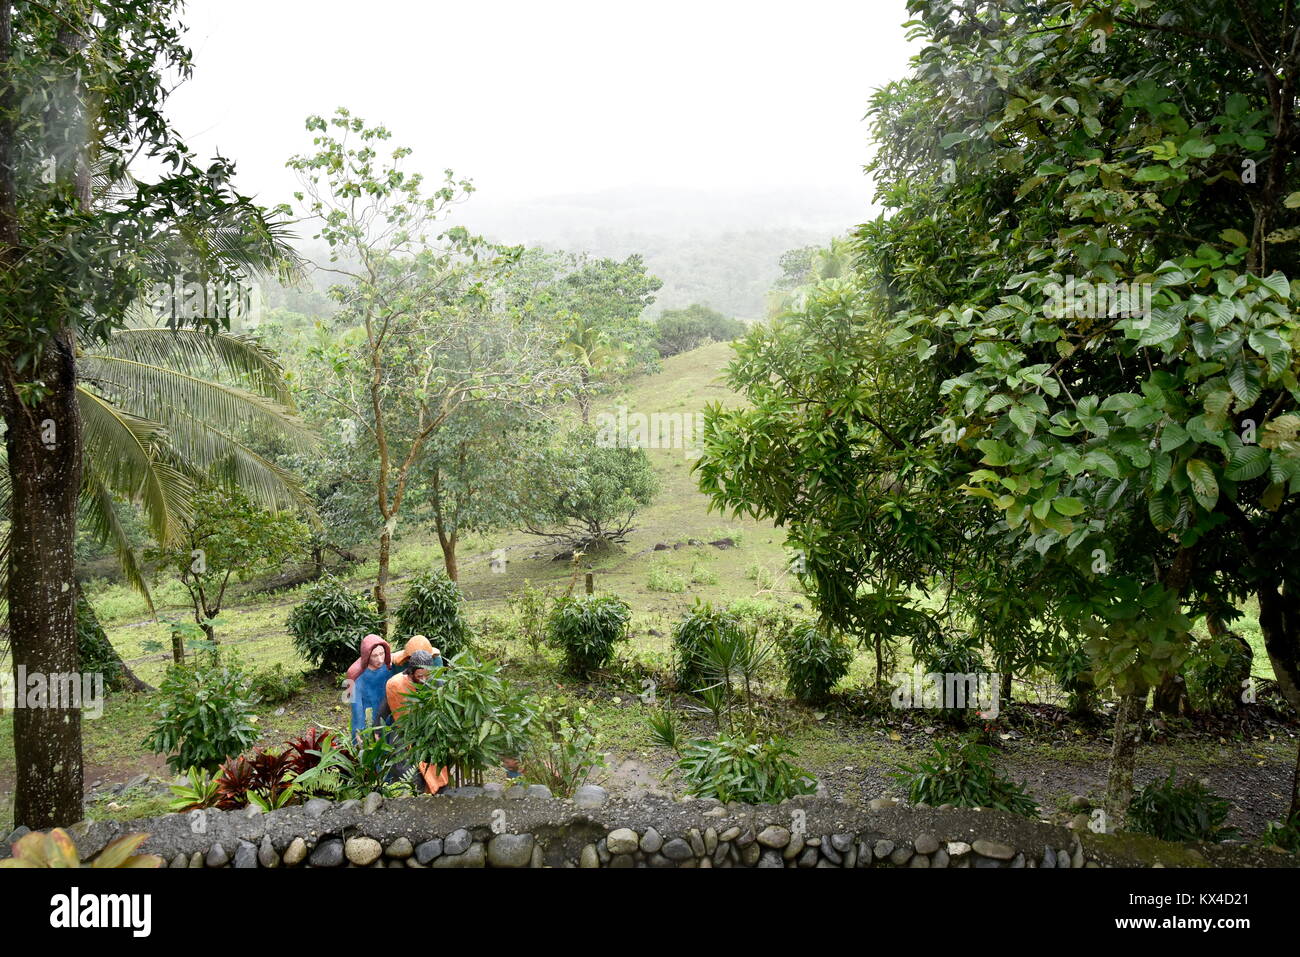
[(718, 248)]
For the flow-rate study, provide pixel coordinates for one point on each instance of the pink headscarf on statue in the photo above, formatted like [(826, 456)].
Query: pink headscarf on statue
[(367, 646)]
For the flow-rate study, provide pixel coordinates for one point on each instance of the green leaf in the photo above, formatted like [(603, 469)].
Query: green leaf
[(1248, 462), (1068, 505), (1204, 485), (1024, 418)]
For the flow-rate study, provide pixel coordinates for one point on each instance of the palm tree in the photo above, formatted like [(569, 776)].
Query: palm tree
[(591, 350)]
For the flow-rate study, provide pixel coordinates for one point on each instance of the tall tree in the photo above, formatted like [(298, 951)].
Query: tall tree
[(81, 93), (415, 309)]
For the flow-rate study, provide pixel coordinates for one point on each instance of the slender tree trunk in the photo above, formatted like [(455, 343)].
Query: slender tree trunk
[(1123, 757), (381, 581), (449, 558), (446, 541)]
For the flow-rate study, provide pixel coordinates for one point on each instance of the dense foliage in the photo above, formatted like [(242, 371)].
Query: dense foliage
[(1185, 811), (205, 714), (586, 629), (434, 607), (815, 659), (328, 626), (963, 774)]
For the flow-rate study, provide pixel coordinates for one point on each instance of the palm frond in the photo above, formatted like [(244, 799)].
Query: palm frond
[(161, 394), (243, 358), (205, 449), (129, 454), (99, 512)]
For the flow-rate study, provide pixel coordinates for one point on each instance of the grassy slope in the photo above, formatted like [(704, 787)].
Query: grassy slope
[(852, 757)]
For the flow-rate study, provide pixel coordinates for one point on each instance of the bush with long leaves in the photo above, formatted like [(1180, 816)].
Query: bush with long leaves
[(328, 627), (469, 723), (205, 715), (693, 634), (743, 768), (433, 607), (963, 774), (586, 628), (1179, 812), (816, 658)]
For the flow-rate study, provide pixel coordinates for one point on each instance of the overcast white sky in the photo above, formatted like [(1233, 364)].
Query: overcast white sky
[(534, 99)]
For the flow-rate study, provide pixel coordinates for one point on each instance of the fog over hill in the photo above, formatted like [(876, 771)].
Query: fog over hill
[(719, 248)]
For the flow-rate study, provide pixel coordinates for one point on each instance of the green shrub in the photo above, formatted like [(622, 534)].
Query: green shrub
[(664, 730), (1217, 671), (741, 767), (955, 656), (964, 774), (586, 628), (561, 751), (1285, 835), (703, 575), (470, 723), (328, 626), (434, 607), (349, 770), (205, 715), (692, 636), (1179, 812), (277, 685), (679, 330), (815, 660)]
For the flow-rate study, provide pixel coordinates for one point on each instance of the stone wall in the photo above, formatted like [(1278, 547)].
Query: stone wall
[(526, 827)]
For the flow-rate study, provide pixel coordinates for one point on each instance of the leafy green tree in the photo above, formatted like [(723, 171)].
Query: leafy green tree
[(678, 330), (584, 493), (1132, 458), (594, 308), (227, 536), (1139, 430), (82, 236), (406, 298)]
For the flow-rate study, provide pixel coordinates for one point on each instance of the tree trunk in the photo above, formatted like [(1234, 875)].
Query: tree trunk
[(43, 442), (128, 680), (1169, 695), (1123, 757), (381, 581), (1279, 622), (43, 439), (178, 647), (449, 559)]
